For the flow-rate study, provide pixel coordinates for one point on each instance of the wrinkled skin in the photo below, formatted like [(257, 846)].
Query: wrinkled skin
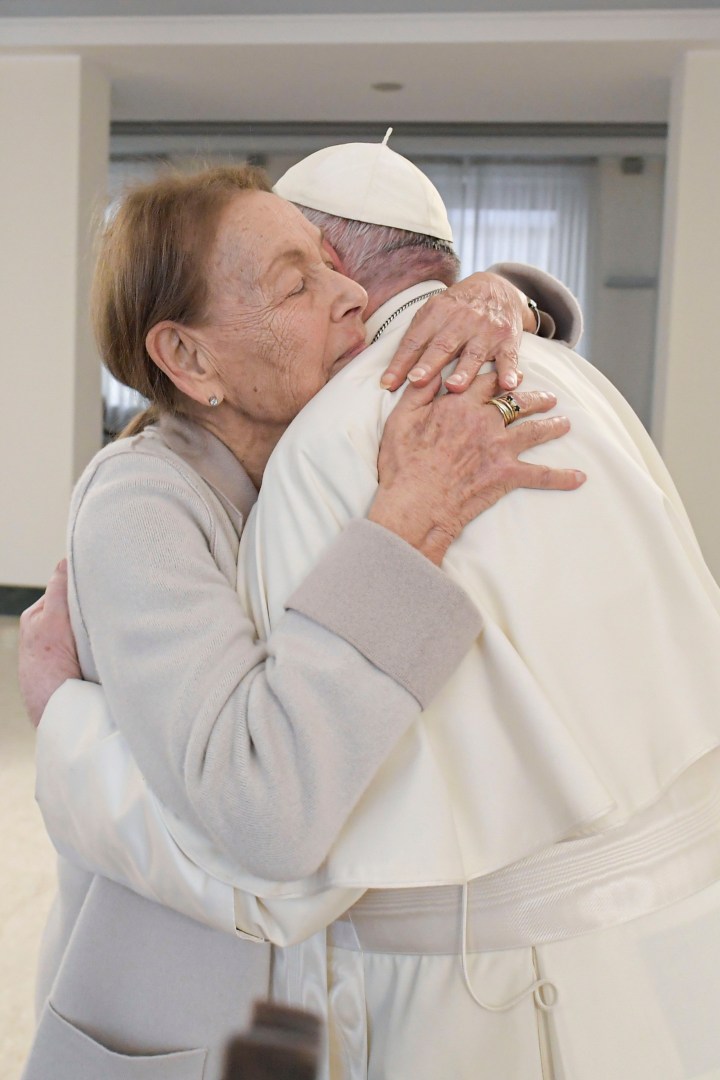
[(479, 319), (428, 439), (47, 646)]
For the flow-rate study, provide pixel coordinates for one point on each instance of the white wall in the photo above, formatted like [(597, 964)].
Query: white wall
[(625, 251), (54, 113), (688, 359)]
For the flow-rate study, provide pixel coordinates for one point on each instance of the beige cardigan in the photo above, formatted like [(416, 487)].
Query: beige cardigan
[(267, 747)]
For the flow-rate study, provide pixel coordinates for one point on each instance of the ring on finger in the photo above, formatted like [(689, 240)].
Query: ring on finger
[(507, 406)]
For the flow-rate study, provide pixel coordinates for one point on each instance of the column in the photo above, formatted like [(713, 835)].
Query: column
[(686, 422), (54, 127)]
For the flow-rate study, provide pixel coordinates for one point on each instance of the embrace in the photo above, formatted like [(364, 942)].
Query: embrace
[(348, 717)]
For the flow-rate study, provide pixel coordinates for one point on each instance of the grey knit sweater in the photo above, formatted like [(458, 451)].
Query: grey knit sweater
[(265, 746)]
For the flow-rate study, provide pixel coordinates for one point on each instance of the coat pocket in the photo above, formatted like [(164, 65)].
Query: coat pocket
[(62, 1052)]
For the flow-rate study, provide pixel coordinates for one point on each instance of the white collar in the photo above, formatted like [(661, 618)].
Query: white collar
[(393, 305)]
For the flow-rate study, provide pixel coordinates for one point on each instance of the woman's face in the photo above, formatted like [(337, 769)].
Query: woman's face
[(280, 320)]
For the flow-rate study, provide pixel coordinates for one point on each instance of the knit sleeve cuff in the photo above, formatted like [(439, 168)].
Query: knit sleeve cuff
[(558, 307), (406, 616)]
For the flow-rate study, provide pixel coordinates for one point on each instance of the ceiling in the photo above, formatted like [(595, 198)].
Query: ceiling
[(77, 8), (514, 64)]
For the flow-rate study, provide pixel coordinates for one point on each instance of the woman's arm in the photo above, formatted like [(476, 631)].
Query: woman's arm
[(101, 815), (265, 748), (370, 590)]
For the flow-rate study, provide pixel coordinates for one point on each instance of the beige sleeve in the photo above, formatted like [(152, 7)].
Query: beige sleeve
[(267, 747)]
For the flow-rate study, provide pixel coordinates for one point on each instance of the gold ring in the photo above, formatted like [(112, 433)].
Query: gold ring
[(507, 406)]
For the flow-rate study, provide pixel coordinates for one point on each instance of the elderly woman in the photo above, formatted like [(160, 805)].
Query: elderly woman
[(217, 300)]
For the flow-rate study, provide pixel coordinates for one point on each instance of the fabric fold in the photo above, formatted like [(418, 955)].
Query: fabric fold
[(555, 725)]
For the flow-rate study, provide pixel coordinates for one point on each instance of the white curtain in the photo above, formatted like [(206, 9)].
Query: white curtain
[(537, 213), (120, 403)]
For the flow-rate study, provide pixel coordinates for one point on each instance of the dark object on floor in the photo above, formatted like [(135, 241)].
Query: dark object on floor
[(282, 1044)]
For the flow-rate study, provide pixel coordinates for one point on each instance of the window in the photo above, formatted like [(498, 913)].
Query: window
[(531, 212)]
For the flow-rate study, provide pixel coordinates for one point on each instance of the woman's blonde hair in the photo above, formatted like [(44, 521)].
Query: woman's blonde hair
[(152, 267)]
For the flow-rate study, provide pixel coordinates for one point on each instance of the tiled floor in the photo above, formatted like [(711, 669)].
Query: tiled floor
[(27, 865)]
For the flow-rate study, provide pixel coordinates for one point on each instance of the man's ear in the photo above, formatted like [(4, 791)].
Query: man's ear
[(183, 359)]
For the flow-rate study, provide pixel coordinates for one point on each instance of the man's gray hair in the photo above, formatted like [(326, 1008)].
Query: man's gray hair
[(376, 255)]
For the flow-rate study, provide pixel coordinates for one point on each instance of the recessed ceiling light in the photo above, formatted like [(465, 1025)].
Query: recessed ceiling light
[(387, 87)]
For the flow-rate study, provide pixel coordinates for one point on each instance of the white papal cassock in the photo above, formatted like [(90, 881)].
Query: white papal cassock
[(595, 682), (573, 747), (568, 769)]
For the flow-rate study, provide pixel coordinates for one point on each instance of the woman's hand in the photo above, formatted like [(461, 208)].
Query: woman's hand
[(444, 460), (47, 654), (478, 319)]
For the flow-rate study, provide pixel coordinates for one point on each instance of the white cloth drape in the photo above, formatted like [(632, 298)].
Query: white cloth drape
[(536, 213), (118, 396), (576, 707)]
